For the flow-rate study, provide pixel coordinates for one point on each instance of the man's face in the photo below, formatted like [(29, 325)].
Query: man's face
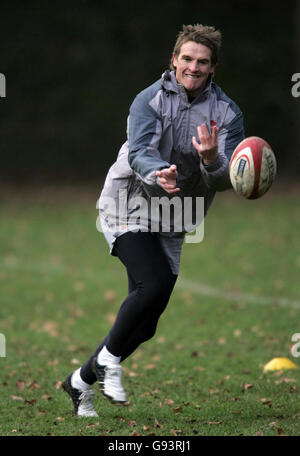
[(193, 66)]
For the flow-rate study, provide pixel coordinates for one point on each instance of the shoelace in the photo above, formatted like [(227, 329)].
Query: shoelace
[(87, 399)]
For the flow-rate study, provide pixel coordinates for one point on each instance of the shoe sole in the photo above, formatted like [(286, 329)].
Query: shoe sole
[(111, 399)]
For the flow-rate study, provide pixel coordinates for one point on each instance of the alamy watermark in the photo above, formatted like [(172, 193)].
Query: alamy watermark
[(2, 86), (156, 214), (2, 346), (295, 350), (296, 87)]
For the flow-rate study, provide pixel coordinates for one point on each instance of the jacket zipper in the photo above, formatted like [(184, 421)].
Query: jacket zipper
[(188, 123)]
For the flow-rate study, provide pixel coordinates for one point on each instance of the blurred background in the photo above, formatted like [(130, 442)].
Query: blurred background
[(73, 68)]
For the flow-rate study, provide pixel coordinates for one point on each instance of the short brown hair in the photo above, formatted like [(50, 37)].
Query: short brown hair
[(203, 34)]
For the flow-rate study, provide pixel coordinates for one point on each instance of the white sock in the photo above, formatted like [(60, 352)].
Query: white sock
[(105, 357), (78, 383)]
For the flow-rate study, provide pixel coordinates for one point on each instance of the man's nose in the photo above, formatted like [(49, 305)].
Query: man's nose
[(193, 66)]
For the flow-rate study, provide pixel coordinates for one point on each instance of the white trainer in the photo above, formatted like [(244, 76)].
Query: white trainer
[(83, 401), (109, 378)]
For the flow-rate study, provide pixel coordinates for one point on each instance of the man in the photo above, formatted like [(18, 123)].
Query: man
[(182, 131)]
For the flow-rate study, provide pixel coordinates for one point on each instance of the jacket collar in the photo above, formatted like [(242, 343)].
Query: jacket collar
[(170, 84)]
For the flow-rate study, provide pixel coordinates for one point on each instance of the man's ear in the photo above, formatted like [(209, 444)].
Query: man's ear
[(174, 60), (213, 68)]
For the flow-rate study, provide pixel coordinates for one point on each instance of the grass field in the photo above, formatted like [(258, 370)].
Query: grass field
[(235, 307)]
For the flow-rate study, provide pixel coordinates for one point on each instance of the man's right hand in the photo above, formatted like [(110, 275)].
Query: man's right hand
[(167, 179)]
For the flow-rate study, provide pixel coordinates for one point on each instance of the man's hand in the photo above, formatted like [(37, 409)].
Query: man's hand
[(208, 147), (167, 179)]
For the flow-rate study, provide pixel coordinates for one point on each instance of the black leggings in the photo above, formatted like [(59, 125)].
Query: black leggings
[(150, 284)]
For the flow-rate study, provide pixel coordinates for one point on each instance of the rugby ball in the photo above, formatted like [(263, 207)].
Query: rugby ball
[(252, 168)]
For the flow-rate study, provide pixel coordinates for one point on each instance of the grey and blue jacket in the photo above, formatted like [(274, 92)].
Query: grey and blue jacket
[(161, 124)]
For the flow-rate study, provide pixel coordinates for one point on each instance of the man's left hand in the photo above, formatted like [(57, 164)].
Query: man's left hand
[(208, 147)]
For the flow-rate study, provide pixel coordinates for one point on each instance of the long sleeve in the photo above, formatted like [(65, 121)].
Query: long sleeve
[(144, 134)]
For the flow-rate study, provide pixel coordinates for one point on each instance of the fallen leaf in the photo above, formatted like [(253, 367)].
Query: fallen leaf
[(111, 318), (146, 428), (175, 432), (53, 362), (278, 373), (58, 384), (41, 412), (75, 361), (134, 433), (237, 333), (157, 424), (17, 398), (177, 409), (265, 401), (247, 386), (146, 393), (161, 340), (273, 424), (213, 422), (34, 385), (109, 296), (150, 366), (50, 327), (213, 391), (285, 380), (31, 402), (132, 423), (46, 397), (132, 374), (156, 357), (20, 384), (169, 402)]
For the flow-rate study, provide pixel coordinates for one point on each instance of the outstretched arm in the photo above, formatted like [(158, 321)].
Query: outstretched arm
[(167, 179)]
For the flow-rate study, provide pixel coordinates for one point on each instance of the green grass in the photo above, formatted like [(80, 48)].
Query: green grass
[(202, 374)]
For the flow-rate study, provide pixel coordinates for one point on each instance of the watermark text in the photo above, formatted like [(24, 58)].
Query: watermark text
[(2, 86), (2, 346), (296, 87), (295, 350), (156, 214)]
